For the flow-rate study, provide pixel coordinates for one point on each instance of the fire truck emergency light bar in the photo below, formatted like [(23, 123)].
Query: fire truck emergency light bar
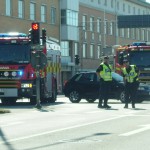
[(13, 38), (12, 34)]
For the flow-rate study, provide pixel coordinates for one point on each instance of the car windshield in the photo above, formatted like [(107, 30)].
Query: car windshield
[(140, 58), (117, 77)]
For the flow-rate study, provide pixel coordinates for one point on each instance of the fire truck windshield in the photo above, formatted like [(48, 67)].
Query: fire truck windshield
[(14, 53), (140, 58)]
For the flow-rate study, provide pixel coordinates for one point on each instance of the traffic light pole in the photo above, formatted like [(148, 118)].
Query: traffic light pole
[(38, 105)]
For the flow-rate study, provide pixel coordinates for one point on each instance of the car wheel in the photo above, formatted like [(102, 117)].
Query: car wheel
[(74, 97), (122, 97), (90, 100)]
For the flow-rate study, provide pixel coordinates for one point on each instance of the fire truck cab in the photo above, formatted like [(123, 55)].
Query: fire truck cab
[(138, 54), (17, 74)]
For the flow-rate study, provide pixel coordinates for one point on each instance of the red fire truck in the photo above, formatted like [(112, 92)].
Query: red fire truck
[(17, 74), (137, 53)]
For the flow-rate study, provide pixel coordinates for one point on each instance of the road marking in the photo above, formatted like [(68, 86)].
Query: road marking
[(10, 124), (145, 127), (58, 130)]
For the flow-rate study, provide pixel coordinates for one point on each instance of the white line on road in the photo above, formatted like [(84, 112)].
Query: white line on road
[(58, 130), (145, 127), (10, 124)]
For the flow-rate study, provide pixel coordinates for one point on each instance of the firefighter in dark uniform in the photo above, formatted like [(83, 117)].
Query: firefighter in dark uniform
[(130, 76), (104, 73)]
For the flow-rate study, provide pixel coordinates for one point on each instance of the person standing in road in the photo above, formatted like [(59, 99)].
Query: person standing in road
[(104, 72), (130, 76)]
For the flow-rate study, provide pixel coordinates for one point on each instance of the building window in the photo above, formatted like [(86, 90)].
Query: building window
[(99, 1), (133, 33), (100, 38), (129, 9), (99, 51), (128, 32), (143, 34), (138, 34), (43, 13), (76, 48), (84, 50), (112, 3), (91, 23), (147, 36), (20, 8), (133, 10), (8, 7), (118, 6), (105, 2), (65, 48), (98, 25), (91, 50), (53, 15), (123, 32), (84, 22), (85, 35), (105, 26), (124, 7), (93, 36), (32, 11), (69, 17), (111, 28), (139, 11)]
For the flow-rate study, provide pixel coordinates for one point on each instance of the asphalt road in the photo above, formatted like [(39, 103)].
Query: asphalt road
[(65, 126)]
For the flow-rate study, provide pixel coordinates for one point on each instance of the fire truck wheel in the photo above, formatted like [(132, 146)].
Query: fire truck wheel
[(54, 96), (33, 100), (74, 97), (8, 101)]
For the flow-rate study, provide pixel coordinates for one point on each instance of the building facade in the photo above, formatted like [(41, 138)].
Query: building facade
[(17, 16), (98, 31)]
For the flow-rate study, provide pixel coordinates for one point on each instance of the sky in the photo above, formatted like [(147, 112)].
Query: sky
[(148, 1)]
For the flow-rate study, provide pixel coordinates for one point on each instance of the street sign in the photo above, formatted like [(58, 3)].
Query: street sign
[(133, 21), (38, 60)]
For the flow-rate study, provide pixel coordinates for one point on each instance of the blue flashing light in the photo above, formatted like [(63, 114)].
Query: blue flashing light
[(20, 73)]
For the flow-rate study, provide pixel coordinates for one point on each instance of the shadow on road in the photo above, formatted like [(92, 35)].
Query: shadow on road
[(27, 105), (3, 137)]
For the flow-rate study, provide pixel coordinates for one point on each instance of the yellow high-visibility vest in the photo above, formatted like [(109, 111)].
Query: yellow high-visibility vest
[(131, 75), (106, 74)]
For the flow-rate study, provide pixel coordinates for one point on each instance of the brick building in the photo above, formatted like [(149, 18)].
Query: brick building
[(17, 15), (97, 30)]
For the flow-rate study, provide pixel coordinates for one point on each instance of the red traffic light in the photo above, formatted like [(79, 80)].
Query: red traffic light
[(35, 26)]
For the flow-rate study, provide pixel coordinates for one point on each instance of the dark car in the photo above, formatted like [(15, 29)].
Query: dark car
[(85, 85)]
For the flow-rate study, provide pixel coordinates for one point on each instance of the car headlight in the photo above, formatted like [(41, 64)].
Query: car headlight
[(26, 85)]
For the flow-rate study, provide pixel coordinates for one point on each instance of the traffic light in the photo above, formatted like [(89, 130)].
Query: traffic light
[(77, 59), (43, 36), (35, 33), (30, 34)]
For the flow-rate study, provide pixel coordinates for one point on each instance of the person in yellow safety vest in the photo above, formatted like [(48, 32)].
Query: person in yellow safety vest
[(130, 75), (104, 72)]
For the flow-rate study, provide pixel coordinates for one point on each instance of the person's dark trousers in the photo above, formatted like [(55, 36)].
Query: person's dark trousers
[(101, 95), (107, 87), (127, 92), (104, 92), (133, 96), (130, 93)]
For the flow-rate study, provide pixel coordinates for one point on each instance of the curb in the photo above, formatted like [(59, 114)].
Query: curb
[(2, 111)]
